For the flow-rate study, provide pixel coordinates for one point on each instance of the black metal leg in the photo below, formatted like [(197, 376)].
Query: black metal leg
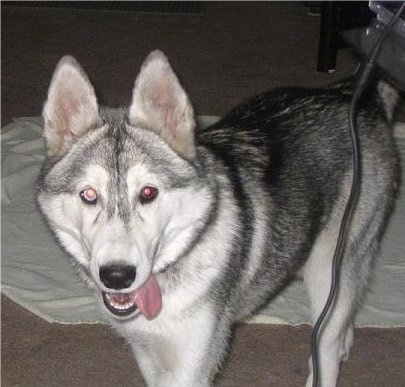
[(328, 36)]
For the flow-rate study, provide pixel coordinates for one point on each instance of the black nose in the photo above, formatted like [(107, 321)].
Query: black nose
[(117, 276)]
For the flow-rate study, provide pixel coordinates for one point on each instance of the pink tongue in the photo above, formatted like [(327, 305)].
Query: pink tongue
[(148, 298)]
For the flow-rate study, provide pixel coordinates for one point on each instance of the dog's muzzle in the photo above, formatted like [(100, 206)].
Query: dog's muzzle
[(147, 298)]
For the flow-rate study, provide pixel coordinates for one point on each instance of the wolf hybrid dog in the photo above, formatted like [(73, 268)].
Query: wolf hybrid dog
[(181, 231)]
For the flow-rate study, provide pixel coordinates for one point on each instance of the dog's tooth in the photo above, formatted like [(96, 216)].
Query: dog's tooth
[(120, 301)]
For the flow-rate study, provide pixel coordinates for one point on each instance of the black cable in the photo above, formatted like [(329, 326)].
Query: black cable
[(363, 79)]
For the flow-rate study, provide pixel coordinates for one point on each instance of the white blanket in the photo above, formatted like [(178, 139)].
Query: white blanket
[(36, 273)]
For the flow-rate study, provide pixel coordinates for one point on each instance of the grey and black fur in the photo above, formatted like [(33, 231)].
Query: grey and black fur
[(183, 231)]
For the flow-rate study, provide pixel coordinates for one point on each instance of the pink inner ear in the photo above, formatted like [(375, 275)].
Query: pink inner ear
[(65, 110), (169, 118), (68, 109), (165, 103)]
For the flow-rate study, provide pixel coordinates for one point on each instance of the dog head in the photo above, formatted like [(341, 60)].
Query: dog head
[(122, 188)]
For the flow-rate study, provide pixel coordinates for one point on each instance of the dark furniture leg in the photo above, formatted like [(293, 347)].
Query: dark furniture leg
[(328, 36)]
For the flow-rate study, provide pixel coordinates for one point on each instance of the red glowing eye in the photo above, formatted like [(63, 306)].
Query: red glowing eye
[(89, 196), (147, 194)]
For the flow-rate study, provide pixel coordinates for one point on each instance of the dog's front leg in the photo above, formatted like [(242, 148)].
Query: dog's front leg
[(183, 352)]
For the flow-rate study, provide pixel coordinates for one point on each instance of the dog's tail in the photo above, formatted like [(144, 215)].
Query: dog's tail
[(389, 97)]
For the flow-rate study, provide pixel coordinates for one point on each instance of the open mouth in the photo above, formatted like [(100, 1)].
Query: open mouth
[(120, 304), (147, 299)]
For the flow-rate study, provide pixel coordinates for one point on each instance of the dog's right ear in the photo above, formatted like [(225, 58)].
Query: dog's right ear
[(71, 107)]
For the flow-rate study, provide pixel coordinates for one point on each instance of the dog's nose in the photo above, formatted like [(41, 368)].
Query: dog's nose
[(117, 276)]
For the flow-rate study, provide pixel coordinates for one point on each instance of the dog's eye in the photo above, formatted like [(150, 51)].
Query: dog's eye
[(147, 194), (89, 196)]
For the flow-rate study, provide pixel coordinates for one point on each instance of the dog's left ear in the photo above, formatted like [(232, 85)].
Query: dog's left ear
[(160, 104)]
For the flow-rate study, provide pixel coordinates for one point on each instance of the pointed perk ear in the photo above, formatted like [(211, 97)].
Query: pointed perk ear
[(160, 104), (71, 108)]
